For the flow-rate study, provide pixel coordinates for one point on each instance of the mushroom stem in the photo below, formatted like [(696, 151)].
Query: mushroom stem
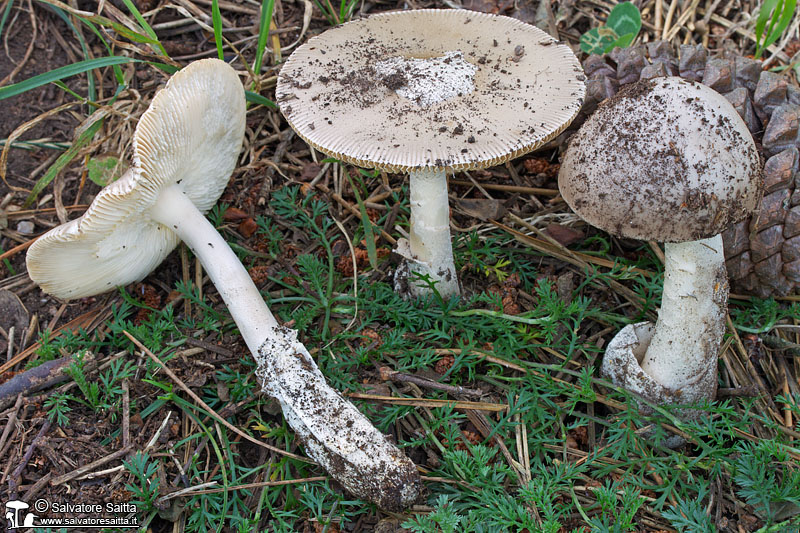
[(333, 431), (431, 248), (691, 321), (254, 319)]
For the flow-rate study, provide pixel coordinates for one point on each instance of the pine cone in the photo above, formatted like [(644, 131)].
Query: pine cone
[(763, 252)]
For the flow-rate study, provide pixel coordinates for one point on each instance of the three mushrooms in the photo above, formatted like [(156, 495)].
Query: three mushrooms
[(428, 92)]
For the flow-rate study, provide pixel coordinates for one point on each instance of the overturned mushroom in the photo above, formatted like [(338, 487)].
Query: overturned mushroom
[(428, 92), (667, 160), (185, 149)]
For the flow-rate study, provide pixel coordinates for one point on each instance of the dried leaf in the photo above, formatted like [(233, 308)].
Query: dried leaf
[(563, 235), (234, 214), (247, 227), (482, 209)]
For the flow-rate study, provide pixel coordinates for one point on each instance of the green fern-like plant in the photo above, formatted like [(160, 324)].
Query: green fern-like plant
[(768, 478)]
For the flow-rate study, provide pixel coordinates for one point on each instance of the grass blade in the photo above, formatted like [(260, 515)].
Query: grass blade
[(763, 17), (7, 263), (5, 15), (140, 19), (785, 19), (61, 73), (346, 8), (256, 98), (216, 16), (130, 34), (63, 160), (35, 145), (117, 71), (263, 32), (63, 86), (92, 92), (145, 27), (369, 238)]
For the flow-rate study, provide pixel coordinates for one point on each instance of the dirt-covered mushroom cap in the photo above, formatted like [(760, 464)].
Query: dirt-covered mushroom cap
[(190, 137), (444, 89), (666, 159)]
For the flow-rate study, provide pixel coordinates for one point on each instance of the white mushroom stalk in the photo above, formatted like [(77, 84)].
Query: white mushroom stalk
[(176, 211), (333, 431), (691, 320), (185, 148), (429, 92), (667, 160), (429, 250)]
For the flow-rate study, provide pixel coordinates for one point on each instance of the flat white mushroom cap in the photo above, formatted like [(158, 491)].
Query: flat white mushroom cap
[(511, 88), (666, 159), (190, 136)]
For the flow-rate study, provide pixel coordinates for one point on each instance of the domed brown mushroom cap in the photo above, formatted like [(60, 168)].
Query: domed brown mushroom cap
[(666, 159), (350, 91), (190, 136)]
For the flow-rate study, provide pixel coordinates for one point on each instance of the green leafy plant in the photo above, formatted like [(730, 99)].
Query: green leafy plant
[(768, 477), (104, 395), (443, 518), (497, 270), (145, 490), (367, 225), (621, 28), (689, 514), (327, 506), (616, 516), (773, 19), (111, 384), (57, 408), (90, 391), (310, 214), (548, 485), (761, 316)]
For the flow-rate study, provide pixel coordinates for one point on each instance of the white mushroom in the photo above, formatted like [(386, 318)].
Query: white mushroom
[(667, 160), (185, 149), (429, 92)]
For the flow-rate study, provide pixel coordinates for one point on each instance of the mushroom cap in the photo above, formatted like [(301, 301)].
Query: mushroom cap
[(341, 91), (190, 136), (666, 159)]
